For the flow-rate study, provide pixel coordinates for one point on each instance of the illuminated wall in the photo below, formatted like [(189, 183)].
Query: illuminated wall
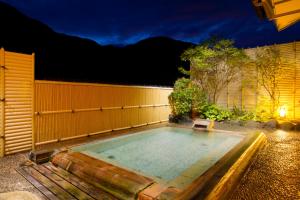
[(248, 94)]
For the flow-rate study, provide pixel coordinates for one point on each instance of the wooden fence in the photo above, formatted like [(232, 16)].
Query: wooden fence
[(39, 112), (16, 102), (71, 110), (247, 94)]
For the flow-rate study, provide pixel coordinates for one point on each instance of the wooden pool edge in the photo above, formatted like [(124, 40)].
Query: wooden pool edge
[(219, 181), (232, 177)]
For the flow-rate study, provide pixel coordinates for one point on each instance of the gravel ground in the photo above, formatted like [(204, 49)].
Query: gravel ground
[(275, 172), (10, 179)]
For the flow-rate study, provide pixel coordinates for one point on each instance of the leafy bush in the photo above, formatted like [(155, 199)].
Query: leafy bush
[(263, 115), (213, 112), (181, 98), (242, 115), (185, 97)]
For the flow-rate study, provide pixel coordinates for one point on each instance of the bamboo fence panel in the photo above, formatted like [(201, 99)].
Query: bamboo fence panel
[(223, 98), (247, 94), (17, 83), (297, 75), (233, 95), (288, 82), (65, 110)]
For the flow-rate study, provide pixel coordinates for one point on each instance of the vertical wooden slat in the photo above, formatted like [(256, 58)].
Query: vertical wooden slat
[(33, 101), (295, 78)]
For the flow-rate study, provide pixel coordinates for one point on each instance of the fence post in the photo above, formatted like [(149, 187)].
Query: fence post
[(33, 102), (295, 78), (2, 99)]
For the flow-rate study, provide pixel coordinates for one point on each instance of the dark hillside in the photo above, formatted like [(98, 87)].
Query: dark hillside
[(153, 61)]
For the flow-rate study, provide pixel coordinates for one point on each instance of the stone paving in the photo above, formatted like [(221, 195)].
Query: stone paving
[(275, 172)]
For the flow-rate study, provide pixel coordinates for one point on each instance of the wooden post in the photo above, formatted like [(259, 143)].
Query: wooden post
[(295, 79), (2, 99), (33, 103)]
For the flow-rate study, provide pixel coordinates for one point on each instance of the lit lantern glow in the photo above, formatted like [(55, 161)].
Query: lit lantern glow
[(282, 112)]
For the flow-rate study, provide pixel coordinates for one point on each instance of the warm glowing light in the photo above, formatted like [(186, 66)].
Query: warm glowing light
[(282, 112)]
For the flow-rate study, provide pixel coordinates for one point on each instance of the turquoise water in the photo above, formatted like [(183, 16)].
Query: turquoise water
[(166, 154)]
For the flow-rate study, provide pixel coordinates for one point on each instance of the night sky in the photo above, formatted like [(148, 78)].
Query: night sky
[(121, 22)]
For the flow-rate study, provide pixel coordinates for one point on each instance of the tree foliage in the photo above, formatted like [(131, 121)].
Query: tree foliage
[(270, 70), (214, 112), (185, 97), (213, 65)]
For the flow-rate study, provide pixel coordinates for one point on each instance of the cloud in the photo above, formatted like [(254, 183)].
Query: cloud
[(126, 22)]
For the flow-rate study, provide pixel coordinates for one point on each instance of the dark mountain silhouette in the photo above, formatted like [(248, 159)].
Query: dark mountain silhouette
[(153, 61)]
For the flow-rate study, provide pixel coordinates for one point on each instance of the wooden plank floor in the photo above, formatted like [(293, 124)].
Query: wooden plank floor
[(56, 183)]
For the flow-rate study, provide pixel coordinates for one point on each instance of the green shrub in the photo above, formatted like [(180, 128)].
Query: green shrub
[(213, 112), (247, 116), (185, 97), (242, 115), (263, 115)]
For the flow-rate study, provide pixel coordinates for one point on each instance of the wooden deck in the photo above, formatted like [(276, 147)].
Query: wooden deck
[(56, 183), (72, 175)]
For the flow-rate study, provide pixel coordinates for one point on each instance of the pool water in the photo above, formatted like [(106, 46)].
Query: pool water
[(174, 156)]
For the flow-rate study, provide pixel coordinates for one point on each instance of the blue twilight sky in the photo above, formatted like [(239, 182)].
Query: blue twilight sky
[(122, 22)]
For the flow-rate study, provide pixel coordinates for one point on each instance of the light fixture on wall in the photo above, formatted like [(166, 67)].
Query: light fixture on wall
[(282, 112)]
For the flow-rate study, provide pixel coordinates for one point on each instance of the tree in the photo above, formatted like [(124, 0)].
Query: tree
[(270, 70), (213, 65), (186, 98)]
